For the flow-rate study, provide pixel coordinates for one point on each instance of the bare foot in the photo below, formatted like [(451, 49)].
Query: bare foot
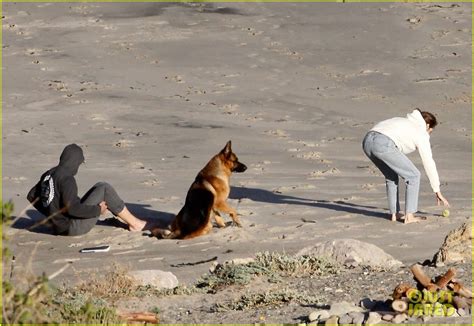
[(396, 217), (139, 225)]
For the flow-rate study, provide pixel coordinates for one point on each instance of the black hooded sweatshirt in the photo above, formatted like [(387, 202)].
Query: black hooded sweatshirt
[(55, 195)]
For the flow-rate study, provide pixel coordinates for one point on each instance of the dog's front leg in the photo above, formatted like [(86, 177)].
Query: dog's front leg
[(224, 207), (219, 220)]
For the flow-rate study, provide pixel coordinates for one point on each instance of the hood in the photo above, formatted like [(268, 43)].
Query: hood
[(417, 118), (71, 158)]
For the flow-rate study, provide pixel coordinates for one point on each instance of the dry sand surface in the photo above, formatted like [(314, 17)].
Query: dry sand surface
[(153, 90)]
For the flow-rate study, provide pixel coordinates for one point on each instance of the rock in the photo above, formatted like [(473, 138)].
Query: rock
[(426, 318), (374, 318), (350, 251), (400, 318), (343, 307), (240, 261), (462, 312), (318, 315), (367, 303), (387, 317), (345, 319), (357, 317), (159, 279), (457, 246), (333, 320)]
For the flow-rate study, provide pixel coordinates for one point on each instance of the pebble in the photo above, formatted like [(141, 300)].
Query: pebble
[(333, 320), (318, 315), (357, 317), (387, 317), (343, 307), (399, 318), (345, 319), (426, 318), (374, 318)]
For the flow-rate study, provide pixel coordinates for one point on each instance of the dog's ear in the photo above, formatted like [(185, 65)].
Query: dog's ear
[(227, 149)]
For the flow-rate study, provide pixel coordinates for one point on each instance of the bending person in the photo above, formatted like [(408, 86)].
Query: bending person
[(387, 144), (55, 196)]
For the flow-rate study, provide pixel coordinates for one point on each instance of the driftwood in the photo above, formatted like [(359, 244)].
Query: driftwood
[(427, 290), (401, 291), (460, 289), (460, 302), (147, 317), (446, 278), (422, 278), (399, 305)]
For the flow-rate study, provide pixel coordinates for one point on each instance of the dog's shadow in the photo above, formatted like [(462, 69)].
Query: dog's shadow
[(261, 195)]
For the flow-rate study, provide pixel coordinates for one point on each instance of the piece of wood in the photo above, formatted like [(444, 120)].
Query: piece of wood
[(400, 291), (399, 305), (460, 289), (422, 278), (147, 317), (460, 302), (446, 278), (432, 287)]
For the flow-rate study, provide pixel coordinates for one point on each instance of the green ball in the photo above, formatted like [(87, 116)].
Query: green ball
[(446, 213)]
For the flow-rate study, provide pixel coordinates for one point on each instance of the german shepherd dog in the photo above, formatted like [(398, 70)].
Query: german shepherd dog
[(206, 198)]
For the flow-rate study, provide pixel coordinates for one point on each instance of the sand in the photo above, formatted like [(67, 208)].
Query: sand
[(153, 90)]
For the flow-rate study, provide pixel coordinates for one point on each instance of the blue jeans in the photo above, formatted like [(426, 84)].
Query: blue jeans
[(383, 152)]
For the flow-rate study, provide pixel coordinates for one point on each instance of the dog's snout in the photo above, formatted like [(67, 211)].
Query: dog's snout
[(240, 167)]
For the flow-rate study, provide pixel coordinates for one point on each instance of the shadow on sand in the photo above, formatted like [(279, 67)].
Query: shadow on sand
[(32, 220), (261, 195)]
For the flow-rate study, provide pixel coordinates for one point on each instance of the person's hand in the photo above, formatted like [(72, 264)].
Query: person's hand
[(103, 207), (440, 198)]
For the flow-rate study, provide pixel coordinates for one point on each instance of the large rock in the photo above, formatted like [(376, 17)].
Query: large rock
[(457, 246), (343, 307), (157, 278), (348, 251)]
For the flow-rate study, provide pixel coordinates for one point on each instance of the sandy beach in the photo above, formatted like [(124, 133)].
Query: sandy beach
[(152, 91)]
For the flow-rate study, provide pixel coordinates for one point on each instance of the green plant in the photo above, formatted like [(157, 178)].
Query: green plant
[(269, 298)]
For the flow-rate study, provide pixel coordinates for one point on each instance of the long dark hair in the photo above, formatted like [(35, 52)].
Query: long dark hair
[(429, 118)]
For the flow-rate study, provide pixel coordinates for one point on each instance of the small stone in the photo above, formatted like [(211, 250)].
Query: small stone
[(426, 318), (318, 315), (399, 318), (343, 307), (387, 317), (374, 318), (455, 314), (462, 312), (333, 320), (357, 317), (367, 303), (157, 278), (345, 319)]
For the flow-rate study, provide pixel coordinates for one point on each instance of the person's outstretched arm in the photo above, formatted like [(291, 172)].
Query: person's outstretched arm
[(424, 148)]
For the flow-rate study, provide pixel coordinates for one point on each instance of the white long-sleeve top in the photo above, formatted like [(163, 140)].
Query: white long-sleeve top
[(410, 134)]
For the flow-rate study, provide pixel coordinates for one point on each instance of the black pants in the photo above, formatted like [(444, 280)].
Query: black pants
[(101, 191)]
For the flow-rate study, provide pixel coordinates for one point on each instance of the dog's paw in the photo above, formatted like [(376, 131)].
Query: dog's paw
[(237, 223), (160, 233)]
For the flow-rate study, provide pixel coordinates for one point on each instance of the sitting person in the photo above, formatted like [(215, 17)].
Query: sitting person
[(55, 196)]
